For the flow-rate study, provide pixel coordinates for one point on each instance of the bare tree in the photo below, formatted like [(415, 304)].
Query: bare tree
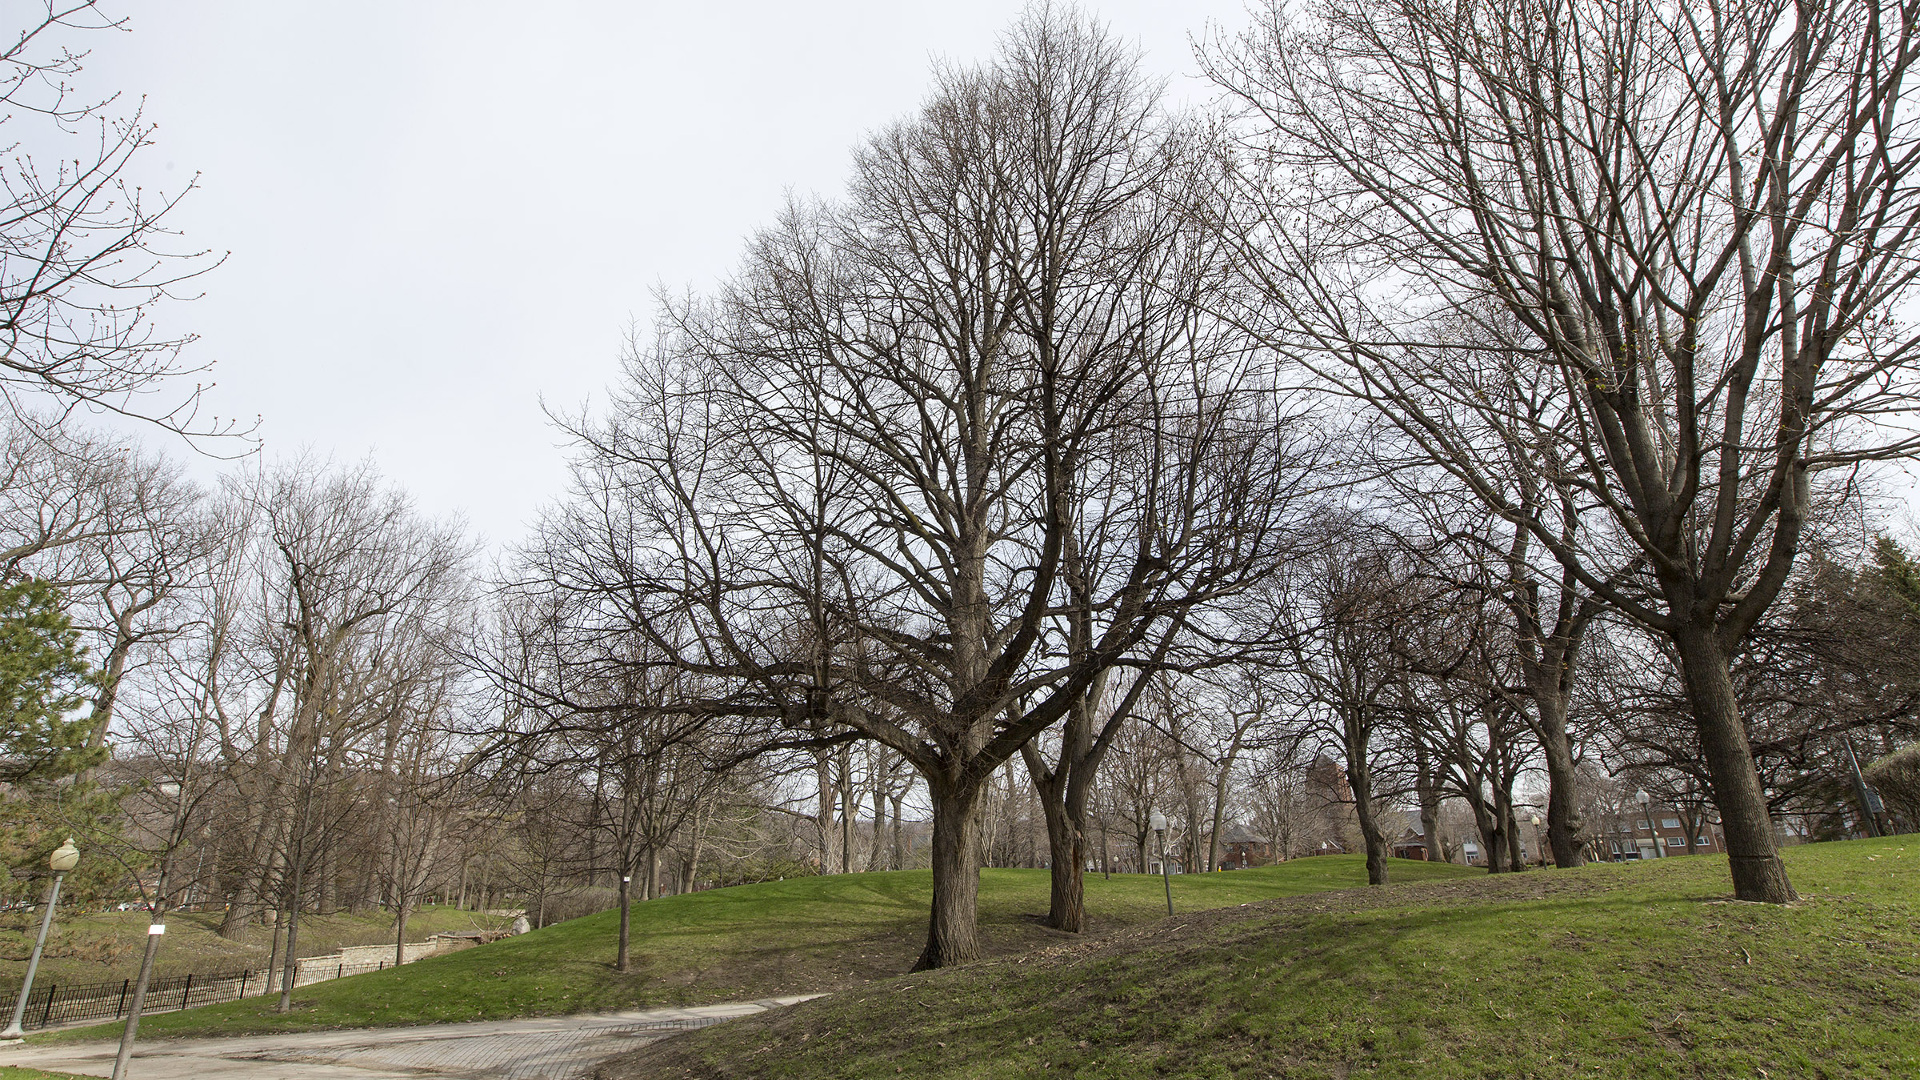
[(86, 255), (1695, 223), (1242, 710), (860, 468), (417, 801), (149, 537), (350, 601), (609, 716), (545, 848), (1349, 667), (54, 488)]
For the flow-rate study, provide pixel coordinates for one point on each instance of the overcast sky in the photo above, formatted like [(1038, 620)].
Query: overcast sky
[(439, 213)]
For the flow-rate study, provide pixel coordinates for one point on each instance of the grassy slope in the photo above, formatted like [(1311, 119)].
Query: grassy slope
[(20, 1072), (106, 946), (805, 935), (1616, 971)]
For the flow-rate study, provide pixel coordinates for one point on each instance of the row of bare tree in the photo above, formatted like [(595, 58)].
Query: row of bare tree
[(1489, 392), (1467, 332)]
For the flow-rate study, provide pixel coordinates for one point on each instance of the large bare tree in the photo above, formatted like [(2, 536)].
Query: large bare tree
[(861, 469), (1695, 224)]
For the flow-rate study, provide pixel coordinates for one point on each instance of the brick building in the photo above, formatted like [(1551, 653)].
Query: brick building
[(1656, 830)]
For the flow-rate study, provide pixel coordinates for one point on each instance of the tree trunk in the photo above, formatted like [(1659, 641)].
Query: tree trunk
[(1219, 814), (1563, 811), (1067, 848), (849, 807), (1066, 852), (1033, 840), (1427, 792), (297, 858), (157, 918), (110, 676), (653, 874), (1191, 851), (1357, 734), (953, 932), (899, 837), (1493, 840), (400, 934), (690, 870), (878, 854), (274, 958), (289, 964), (823, 807), (1063, 807), (261, 861), (1758, 873), (1376, 841), (620, 955)]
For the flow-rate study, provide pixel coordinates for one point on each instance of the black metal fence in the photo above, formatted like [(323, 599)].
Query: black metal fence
[(53, 1004)]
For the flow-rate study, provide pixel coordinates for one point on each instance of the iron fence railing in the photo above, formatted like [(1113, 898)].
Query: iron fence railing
[(52, 1004)]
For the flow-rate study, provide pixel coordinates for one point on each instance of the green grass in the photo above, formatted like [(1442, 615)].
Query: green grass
[(19, 1072), (1643, 970), (803, 935), (106, 946)]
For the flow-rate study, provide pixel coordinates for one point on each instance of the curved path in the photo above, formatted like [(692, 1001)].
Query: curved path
[(550, 1048)]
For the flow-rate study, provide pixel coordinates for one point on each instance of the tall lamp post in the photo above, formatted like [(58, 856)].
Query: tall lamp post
[(1646, 807), (1539, 851), (1159, 823), (62, 860)]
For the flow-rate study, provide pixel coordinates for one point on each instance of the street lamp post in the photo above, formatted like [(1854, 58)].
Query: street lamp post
[(62, 860), (1539, 852), (1166, 874), (1646, 807)]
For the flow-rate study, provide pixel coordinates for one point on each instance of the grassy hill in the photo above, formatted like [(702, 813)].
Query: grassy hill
[(1646, 970), (804, 935), (106, 946)]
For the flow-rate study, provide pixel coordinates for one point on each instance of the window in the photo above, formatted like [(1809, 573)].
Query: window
[(1670, 823), (1676, 841), (1699, 841)]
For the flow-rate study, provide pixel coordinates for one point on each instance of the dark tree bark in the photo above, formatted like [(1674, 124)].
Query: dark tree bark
[(1427, 792), (1360, 779), (953, 924), (1744, 816), (622, 955), (1704, 368)]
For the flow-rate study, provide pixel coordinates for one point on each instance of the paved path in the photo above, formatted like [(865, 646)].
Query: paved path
[(553, 1048)]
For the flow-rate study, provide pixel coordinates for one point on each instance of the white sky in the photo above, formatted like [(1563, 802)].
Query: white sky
[(440, 212)]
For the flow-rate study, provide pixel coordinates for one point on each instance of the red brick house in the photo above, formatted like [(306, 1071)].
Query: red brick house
[(1244, 848)]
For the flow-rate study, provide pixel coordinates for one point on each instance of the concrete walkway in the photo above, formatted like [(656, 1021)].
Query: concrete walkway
[(552, 1048)]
